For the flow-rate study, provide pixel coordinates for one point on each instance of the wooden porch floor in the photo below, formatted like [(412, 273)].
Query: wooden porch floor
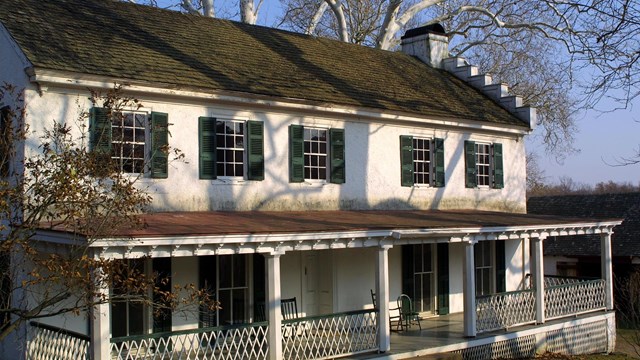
[(444, 334)]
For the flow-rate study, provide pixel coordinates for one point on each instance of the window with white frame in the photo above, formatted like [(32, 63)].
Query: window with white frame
[(132, 140), (483, 164), (315, 153), (484, 167), (227, 278), (128, 139), (484, 268), (230, 148), (422, 161)]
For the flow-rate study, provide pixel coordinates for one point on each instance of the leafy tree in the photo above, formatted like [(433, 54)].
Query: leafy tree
[(64, 186)]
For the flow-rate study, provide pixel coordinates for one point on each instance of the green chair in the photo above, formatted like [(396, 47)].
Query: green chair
[(408, 316)]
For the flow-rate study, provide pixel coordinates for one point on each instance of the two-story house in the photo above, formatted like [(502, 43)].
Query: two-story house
[(316, 170)]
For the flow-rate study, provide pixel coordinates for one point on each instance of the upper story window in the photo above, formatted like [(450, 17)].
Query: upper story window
[(484, 166), (316, 154), (126, 139), (231, 149), (422, 161)]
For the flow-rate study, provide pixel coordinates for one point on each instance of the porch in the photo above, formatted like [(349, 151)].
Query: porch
[(580, 323)]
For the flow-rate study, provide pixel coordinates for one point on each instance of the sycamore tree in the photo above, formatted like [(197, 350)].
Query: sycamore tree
[(60, 184), (560, 56)]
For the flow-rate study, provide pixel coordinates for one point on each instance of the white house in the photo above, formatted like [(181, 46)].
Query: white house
[(315, 169)]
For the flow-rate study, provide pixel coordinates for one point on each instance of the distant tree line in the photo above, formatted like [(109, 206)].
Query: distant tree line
[(538, 185)]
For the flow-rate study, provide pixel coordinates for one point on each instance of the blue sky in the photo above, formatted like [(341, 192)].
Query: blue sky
[(602, 139)]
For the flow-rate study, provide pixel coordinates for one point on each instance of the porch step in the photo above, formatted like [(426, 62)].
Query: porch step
[(440, 356)]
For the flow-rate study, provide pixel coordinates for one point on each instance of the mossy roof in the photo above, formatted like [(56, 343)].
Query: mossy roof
[(140, 43)]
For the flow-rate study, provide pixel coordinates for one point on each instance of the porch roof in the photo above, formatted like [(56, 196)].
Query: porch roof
[(195, 233)]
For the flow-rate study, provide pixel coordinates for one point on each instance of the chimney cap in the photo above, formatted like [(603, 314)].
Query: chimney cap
[(427, 29)]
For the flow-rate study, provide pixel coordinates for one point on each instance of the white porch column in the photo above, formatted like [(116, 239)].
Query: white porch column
[(607, 272), (538, 277), (100, 327), (469, 291), (274, 314), (382, 297)]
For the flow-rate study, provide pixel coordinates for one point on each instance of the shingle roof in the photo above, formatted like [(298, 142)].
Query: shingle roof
[(142, 43), (220, 223), (626, 237)]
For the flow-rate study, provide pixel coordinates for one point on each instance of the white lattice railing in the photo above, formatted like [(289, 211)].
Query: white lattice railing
[(504, 310), (328, 336), (553, 280), (247, 341), (52, 343), (574, 298)]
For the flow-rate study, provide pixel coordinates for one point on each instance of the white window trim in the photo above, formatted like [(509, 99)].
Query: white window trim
[(431, 163), (235, 180), (325, 181)]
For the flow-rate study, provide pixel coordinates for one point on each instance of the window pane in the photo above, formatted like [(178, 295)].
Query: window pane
[(239, 306), (238, 156), (426, 256), (224, 313), (225, 264), (322, 174), (323, 147), (239, 170)]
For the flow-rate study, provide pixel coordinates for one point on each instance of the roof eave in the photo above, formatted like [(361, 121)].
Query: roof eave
[(46, 78)]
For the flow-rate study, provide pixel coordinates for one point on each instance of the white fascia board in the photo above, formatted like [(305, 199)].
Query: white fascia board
[(508, 232), (52, 77), (256, 239)]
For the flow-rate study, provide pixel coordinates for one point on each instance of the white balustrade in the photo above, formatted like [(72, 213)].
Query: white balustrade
[(52, 343), (504, 310), (574, 298)]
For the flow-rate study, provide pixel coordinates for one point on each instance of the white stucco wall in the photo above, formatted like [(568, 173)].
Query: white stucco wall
[(372, 161)]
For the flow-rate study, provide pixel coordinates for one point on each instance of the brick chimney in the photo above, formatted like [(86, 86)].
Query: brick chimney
[(428, 43)]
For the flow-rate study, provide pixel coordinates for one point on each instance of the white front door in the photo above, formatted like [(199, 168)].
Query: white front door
[(317, 283)]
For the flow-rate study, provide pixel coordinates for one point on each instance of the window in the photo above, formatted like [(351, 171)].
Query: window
[(422, 161), (316, 154), (123, 138), (225, 276), (128, 138), (425, 276), (484, 166), (231, 149), (484, 268), (490, 267), (128, 312)]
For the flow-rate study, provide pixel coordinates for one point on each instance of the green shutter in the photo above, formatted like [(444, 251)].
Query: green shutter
[(498, 172), (159, 143), (100, 131), (296, 153), (408, 270), (438, 146), (443, 279), (470, 164), (207, 147), (336, 140), (501, 273), (255, 150), (406, 160)]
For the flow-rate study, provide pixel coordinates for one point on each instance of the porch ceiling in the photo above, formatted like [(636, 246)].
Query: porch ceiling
[(195, 233)]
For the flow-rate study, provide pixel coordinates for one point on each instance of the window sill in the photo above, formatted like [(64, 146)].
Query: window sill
[(229, 181)]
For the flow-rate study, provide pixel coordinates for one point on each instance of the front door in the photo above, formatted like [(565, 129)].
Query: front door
[(317, 283)]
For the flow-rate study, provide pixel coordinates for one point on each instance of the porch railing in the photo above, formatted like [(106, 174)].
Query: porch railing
[(52, 343), (246, 341), (504, 310), (573, 298), (563, 296), (328, 336)]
